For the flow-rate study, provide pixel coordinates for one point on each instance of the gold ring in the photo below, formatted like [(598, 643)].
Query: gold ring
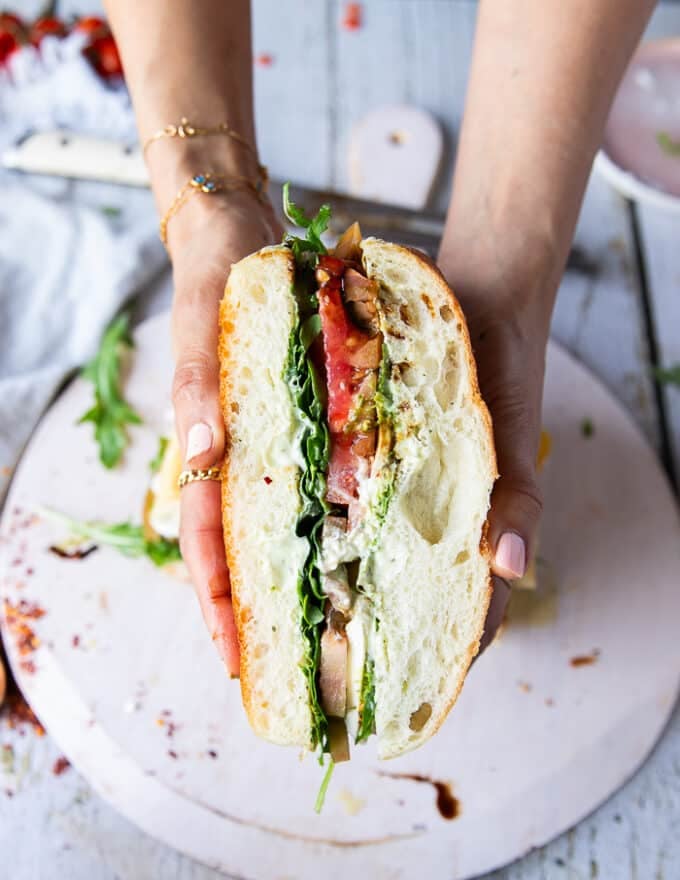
[(197, 474)]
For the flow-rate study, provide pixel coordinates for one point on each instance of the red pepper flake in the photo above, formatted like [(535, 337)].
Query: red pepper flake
[(352, 18), (268, 480), (173, 754), (166, 712), (549, 701), (212, 753), (9, 793), (264, 59), (16, 563), (28, 666), (29, 572), (17, 617), (60, 766), (20, 715), (75, 641)]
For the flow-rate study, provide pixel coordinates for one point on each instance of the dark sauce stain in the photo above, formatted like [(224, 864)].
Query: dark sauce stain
[(73, 554), (585, 659), (449, 806)]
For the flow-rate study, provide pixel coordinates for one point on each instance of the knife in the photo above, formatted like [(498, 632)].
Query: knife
[(65, 154)]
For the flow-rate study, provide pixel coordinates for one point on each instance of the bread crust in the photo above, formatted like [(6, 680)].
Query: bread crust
[(242, 612)]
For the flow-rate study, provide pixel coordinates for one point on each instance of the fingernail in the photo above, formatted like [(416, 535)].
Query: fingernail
[(199, 440), (511, 554)]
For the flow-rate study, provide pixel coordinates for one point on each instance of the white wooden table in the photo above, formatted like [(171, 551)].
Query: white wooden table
[(619, 317)]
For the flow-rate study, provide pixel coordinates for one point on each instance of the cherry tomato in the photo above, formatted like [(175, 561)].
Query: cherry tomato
[(8, 44), (92, 25), (103, 54), (12, 23), (43, 27)]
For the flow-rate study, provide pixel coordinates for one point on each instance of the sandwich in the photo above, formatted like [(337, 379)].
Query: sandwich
[(356, 485)]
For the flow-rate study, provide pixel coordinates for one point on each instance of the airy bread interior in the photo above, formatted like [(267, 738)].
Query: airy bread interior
[(430, 572), (429, 581), (260, 499)]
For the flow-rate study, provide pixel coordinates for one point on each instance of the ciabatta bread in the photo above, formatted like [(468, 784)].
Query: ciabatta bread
[(427, 577)]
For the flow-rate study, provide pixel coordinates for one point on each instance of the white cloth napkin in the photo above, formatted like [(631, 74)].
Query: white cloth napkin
[(70, 253)]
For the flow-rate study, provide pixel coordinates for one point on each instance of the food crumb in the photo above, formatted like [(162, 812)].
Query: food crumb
[(264, 59), (524, 686), (75, 641), (585, 659), (549, 701), (587, 427), (212, 753), (61, 765), (351, 804), (173, 754), (352, 17)]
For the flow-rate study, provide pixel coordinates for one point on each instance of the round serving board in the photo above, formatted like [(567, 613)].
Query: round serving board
[(128, 682)]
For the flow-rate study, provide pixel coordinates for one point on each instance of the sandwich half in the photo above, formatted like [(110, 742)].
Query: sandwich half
[(357, 480)]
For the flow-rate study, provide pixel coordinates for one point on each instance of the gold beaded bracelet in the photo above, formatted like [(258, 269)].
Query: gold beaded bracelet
[(186, 129), (210, 184)]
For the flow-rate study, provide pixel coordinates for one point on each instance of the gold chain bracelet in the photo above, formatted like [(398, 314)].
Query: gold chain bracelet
[(186, 129), (209, 184)]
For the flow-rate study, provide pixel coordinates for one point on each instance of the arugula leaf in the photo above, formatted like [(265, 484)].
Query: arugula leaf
[(157, 460), (325, 782), (366, 702), (307, 393), (305, 250), (670, 146), (125, 537), (587, 427), (110, 413), (669, 375)]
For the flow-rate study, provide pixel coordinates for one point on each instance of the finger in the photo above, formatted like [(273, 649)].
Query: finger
[(496, 613), (512, 388), (202, 545), (516, 502), (195, 392)]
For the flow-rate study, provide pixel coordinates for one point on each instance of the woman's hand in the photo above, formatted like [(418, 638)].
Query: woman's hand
[(508, 319), (209, 234)]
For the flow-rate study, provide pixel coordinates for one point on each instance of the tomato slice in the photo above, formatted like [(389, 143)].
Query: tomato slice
[(337, 332), (349, 356)]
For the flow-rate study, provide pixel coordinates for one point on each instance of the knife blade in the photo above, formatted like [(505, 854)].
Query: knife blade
[(66, 154)]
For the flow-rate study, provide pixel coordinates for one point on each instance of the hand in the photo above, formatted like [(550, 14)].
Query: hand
[(209, 235), (509, 332)]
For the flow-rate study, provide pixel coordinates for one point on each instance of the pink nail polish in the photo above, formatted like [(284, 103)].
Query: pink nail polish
[(199, 440), (511, 554)]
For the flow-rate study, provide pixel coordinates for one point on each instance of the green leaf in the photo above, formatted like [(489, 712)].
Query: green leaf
[(306, 393), (670, 146), (110, 211), (366, 702), (587, 427), (110, 413), (305, 250), (157, 460), (325, 782), (669, 375), (125, 537)]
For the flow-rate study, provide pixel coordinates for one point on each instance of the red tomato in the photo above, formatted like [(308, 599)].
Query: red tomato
[(95, 27), (12, 23), (43, 27), (103, 54), (336, 330), (8, 44), (333, 265), (341, 484)]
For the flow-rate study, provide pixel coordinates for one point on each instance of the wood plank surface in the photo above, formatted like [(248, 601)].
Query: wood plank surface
[(321, 80), (660, 236)]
